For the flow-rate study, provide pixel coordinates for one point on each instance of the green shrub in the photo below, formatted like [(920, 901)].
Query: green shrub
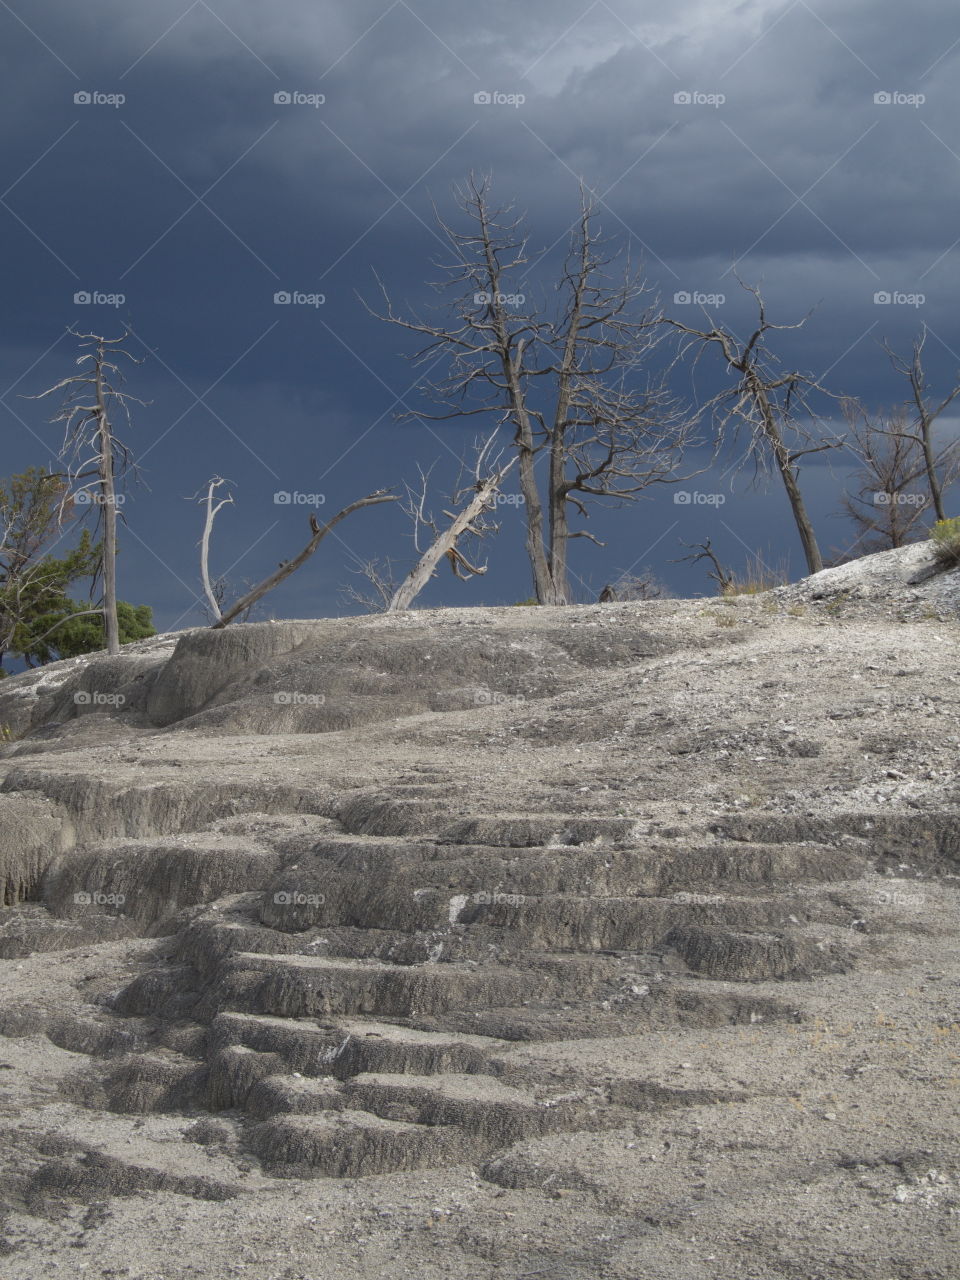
[(945, 535)]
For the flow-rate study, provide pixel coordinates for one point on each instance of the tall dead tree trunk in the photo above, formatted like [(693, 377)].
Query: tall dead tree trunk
[(95, 457), (887, 504), (764, 403), (938, 464), (108, 491), (576, 386), (785, 462)]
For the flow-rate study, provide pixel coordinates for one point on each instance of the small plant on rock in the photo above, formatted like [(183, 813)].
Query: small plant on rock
[(945, 536)]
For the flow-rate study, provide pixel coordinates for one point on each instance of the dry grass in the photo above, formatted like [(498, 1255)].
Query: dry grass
[(757, 577), (945, 536)]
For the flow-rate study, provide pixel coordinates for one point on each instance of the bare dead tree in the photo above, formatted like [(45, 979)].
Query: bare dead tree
[(769, 405), (578, 386), (889, 500), (95, 458), (724, 578), (383, 584), (476, 499), (318, 532), (633, 586), (213, 592), (940, 466)]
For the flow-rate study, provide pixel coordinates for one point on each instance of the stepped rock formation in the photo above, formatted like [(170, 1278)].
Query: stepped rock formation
[(607, 941)]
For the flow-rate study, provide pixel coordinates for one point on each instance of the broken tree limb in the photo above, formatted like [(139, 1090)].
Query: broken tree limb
[(446, 543), (291, 566)]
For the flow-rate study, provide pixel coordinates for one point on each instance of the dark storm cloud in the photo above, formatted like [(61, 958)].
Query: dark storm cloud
[(200, 197)]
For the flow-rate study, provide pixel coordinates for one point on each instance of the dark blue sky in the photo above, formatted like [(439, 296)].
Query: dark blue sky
[(198, 197)]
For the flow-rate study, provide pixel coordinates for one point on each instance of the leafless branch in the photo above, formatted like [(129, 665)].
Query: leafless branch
[(319, 532)]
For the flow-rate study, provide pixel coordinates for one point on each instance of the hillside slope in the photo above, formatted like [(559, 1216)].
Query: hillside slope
[(599, 942)]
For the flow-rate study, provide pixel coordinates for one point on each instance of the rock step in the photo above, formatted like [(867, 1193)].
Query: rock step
[(101, 807), (497, 1113), (141, 1083), (925, 839), (644, 1006), (518, 934), (294, 1095), (146, 882), (348, 1047), (28, 929), (297, 902), (385, 815), (349, 1144), (305, 986), (703, 944), (640, 871), (744, 957), (544, 830)]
